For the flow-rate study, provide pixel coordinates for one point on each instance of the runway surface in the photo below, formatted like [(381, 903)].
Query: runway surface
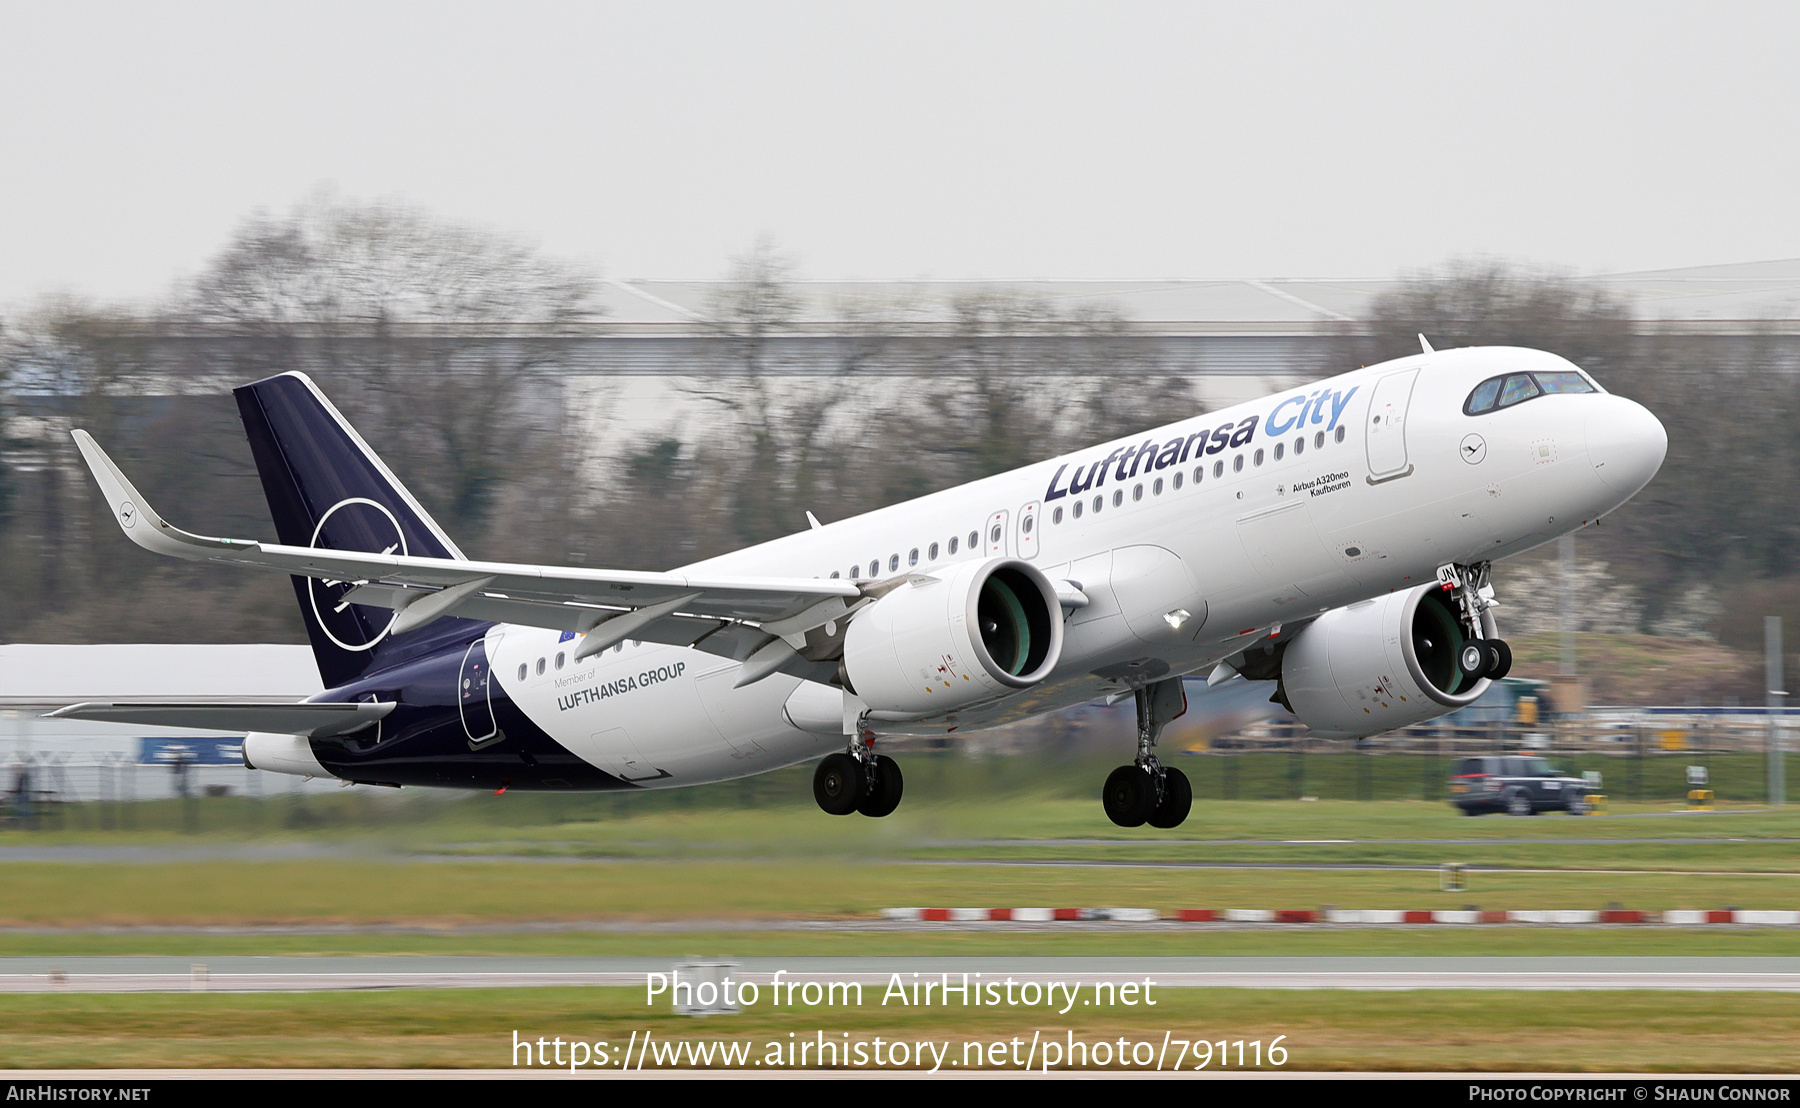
[(275, 974)]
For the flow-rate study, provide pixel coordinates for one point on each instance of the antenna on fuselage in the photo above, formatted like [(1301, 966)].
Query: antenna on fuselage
[(1425, 345)]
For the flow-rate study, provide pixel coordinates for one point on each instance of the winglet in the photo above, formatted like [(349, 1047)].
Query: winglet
[(1425, 346), (137, 518)]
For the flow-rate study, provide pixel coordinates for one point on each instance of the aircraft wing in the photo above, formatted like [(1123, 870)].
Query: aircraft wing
[(737, 617), (279, 717)]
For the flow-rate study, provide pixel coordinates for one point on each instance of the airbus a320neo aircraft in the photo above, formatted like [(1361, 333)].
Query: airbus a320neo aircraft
[(1336, 538)]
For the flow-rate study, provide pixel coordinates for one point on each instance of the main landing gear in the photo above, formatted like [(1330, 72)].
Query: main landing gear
[(858, 780), (1148, 791)]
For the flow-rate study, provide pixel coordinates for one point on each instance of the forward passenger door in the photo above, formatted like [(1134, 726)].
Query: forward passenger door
[(1386, 428)]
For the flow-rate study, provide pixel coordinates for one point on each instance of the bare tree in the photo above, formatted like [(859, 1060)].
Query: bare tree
[(790, 419), (1018, 380), (434, 336), (63, 574), (1486, 302)]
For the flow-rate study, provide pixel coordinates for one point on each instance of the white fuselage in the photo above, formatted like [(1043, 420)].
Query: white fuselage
[(1192, 540)]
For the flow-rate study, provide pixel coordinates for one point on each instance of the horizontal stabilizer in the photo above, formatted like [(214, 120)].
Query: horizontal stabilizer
[(283, 718)]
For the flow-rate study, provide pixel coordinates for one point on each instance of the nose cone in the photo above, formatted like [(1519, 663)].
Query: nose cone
[(1625, 443)]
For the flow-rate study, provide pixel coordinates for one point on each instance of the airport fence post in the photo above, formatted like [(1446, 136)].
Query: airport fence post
[(1777, 761), (1635, 789)]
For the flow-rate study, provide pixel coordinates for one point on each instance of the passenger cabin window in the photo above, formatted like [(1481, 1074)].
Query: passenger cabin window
[(975, 539), (1516, 388), (953, 545), (932, 553), (540, 667), (1176, 480), (522, 671), (559, 659), (1078, 509), (1237, 464), (1299, 446), (1340, 434), (875, 568), (1319, 441), (1118, 497), (893, 563), (834, 574), (1099, 503), (1056, 516)]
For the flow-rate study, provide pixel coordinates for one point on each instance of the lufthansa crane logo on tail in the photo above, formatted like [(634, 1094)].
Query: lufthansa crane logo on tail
[(362, 525)]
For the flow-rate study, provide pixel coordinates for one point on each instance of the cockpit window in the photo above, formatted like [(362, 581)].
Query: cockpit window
[(1516, 388), (1563, 382)]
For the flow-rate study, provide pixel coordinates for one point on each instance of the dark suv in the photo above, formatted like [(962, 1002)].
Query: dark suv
[(1516, 785)]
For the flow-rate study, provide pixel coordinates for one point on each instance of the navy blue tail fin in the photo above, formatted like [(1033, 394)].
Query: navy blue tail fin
[(327, 489)]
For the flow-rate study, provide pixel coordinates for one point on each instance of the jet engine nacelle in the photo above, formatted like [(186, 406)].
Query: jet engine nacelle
[(1380, 664), (945, 640)]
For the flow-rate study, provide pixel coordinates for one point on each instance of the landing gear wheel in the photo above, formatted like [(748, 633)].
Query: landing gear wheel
[(1472, 659), (1129, 796), (884, 789), (838, 784), (1499, 659), (1177, 799)]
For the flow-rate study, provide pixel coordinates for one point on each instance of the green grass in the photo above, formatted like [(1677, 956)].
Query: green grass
[(250, 894), (1419, 941), (1324, 1030), (650, 826), (575, 862), (950, 794), (517, 864)]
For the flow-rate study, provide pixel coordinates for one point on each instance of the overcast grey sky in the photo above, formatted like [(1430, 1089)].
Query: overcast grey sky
[(915, 139)]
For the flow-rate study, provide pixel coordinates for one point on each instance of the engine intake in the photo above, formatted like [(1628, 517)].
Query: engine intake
[(1380, 664), (940, 642)]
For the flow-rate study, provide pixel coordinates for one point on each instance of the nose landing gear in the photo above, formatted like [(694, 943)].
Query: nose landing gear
[(1479, 657), (1148, 791)]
